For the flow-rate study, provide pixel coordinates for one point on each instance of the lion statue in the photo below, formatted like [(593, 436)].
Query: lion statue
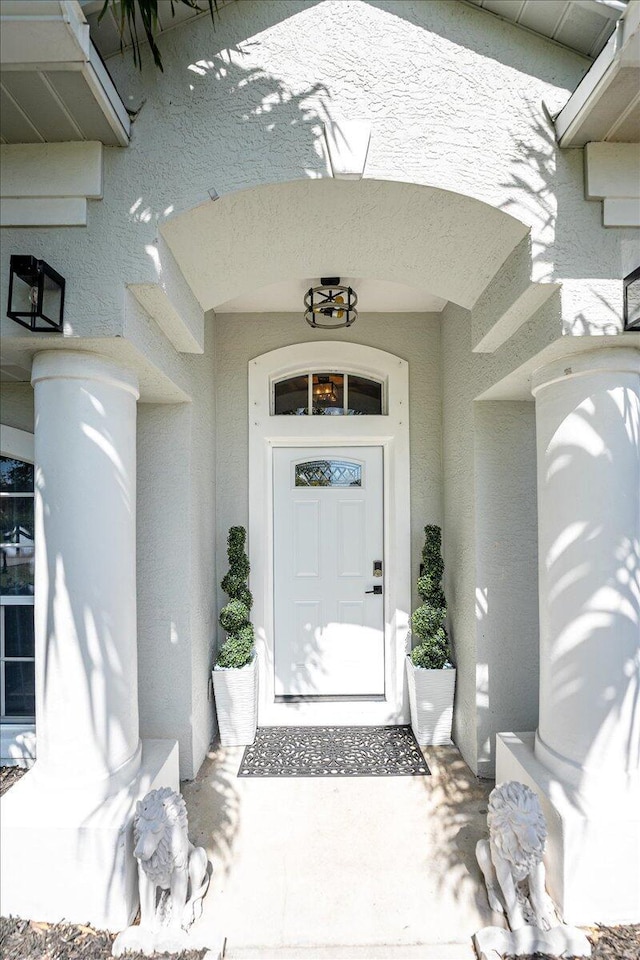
[(511, 859), (173, 876)]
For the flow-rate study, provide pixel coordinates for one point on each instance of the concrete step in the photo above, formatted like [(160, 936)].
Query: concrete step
[(417, 951)]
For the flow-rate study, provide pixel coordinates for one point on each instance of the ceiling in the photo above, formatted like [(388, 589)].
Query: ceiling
[(374, 296), (54, 86), (582, 25)]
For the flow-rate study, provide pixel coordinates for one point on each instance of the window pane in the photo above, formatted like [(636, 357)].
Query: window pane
[(16, 520), (18, 631), (291, 396), (16, 546), (20, 700), (365, 396), (328, 393), (328, 473), (16, 476)]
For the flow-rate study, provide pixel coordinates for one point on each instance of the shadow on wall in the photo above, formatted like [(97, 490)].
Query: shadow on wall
[(568, 241), (204, 80)]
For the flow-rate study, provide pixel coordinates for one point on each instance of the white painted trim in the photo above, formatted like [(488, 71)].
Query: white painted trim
[(42, 170), (347, 144), (17, 744), (43, 212), (576, 120), (621, 213), (16, 443), (391, 432)]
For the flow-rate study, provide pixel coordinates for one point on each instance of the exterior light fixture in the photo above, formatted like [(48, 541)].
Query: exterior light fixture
[(331, 305), (36, 295), (632, 301)]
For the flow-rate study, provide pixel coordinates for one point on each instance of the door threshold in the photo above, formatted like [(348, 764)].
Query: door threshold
[(330, 698)]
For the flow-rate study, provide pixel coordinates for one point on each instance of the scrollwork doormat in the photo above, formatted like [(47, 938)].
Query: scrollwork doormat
[(334, 752)]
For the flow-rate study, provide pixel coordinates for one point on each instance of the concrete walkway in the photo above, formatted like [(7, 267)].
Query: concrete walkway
[(341, 868)]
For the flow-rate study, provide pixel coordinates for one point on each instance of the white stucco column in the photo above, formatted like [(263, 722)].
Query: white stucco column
[(66, 829), (583, 761), (588, 441), (85, 575)]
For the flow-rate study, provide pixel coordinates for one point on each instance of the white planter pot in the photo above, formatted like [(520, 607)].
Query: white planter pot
[(431, 701), (236, 694)]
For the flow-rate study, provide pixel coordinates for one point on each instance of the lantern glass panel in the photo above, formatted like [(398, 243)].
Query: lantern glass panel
[(632, 293), (24, 296), (51, 300)]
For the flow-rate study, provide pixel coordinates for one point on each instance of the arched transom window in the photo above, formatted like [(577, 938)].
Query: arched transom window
[(333, 394)]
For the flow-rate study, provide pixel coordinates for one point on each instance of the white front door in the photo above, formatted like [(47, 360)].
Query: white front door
[(328, 542)]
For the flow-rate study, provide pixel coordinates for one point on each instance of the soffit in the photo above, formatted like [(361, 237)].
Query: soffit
[(582, 25), (606, 104), (53, 84)]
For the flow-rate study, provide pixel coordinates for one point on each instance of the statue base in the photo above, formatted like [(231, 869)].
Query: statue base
[(150, 942), (493, 943), (65, 856)]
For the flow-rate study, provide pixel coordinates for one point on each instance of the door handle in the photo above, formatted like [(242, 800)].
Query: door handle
[(377, 589)]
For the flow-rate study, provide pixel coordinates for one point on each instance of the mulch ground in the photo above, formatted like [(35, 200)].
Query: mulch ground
[(608, 943), (9, 776), (28, 940)]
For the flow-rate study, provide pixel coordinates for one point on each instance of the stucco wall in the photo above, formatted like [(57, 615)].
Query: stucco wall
[(490, 548), (413, 337), (177, 565), (506, 591), (455, 101), (16, 405)]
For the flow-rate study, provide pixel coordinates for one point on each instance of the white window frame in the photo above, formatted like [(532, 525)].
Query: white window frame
[(338, 371), (17, 735)]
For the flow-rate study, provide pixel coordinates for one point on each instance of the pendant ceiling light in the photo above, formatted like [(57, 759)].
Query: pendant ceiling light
[(331, 305)]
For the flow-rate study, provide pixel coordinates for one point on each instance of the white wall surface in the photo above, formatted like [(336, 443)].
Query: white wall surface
[(177, 566), (16, 405), (454, 98), (414, 337), (489, 546), (506, 593)]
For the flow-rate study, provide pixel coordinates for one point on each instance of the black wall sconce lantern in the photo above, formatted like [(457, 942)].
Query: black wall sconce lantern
[(632, 301), (36, 295), (331, 305)]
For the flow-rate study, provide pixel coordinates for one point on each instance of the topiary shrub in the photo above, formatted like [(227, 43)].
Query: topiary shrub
[(427, 622), (237, 650)]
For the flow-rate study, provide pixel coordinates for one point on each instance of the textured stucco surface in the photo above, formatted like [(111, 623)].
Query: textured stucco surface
[(413, 337), (454, 98), (490, 547), (177, 566), (506, 592), (16, 405)]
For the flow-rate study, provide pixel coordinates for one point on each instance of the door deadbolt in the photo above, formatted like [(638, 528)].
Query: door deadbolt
[(377, 568)]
